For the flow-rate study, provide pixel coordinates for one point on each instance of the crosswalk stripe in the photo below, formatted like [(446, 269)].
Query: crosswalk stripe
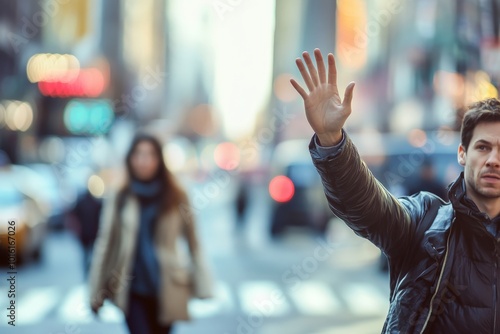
[(73, 308), (263, 298), (222, 302), (111, 313), (35, 304), (76, 309), (364, 299), (3, 297), (260, 298), (315, 298), (366, 327)]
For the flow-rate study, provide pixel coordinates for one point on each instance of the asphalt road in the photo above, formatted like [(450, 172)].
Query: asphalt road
[(301, 284)]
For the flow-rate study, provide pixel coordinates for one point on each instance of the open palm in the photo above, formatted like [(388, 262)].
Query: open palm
[(325, 111)]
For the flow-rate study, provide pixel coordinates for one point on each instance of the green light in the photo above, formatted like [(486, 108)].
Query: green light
[(93, 117)]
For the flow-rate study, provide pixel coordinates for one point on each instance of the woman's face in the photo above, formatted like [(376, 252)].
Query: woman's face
[(144, 161)]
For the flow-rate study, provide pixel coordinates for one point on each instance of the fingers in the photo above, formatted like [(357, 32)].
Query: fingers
[(312, 69), (321, 66), (305, 74), (348, 95), (314, 77), (298, 88), (332, 70)]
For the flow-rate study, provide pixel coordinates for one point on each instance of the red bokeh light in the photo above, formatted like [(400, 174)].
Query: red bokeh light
[(227, 156), (88, 83), (281, 189)]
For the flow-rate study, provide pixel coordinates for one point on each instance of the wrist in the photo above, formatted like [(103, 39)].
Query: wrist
[(330, 139)]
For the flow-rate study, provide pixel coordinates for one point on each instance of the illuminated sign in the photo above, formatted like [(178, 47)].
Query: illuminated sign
[(88, 116)]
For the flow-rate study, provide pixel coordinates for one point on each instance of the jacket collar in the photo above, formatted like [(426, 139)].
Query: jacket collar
[(461, 203)]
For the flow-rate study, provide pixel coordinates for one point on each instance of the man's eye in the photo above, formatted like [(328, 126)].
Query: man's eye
[(482, 148)]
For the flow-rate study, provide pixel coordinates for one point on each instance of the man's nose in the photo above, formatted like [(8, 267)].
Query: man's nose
[(494, 159)]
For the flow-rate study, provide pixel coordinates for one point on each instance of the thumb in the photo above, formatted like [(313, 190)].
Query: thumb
[(348, 95)]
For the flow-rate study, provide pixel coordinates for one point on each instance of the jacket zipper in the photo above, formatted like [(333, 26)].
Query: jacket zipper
[(495, 287), (439, 280)]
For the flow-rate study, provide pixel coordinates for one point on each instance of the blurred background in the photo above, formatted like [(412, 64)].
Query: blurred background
[(211, 79)]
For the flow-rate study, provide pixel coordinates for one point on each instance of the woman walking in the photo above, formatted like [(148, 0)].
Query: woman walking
[(136, 261)]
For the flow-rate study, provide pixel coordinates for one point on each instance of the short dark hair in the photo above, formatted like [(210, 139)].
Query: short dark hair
[(482, 111)]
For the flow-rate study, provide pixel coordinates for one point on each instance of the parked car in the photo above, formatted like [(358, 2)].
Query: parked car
[(56, 193), (296, 190), (28, 221)]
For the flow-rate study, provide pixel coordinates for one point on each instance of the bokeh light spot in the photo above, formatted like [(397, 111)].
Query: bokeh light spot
[(281, 189)]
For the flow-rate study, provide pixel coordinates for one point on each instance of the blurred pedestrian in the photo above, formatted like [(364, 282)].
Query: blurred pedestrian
[(86, 216), (136, 261), (241, 202), (428, 181)]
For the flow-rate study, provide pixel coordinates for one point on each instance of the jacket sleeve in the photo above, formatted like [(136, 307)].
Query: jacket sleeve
[(201, 275), (101, 252), (360, 200)]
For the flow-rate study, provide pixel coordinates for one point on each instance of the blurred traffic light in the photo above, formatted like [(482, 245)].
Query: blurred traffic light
[(91, 117)]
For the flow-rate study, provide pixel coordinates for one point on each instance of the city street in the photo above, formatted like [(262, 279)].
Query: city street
[(298, 285), (265, 121)]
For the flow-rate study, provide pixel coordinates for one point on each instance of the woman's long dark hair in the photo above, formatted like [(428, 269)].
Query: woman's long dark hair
[(172, 194)]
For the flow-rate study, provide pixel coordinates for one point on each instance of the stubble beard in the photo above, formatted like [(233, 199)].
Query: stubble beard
[(481, 191)]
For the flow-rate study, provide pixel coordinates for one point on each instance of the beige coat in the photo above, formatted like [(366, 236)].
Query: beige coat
[(114, 251)]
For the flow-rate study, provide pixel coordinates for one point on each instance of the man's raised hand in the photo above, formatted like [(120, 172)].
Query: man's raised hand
[(325, 111)]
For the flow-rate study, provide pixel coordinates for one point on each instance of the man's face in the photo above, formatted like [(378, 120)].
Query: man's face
[(482, 161)]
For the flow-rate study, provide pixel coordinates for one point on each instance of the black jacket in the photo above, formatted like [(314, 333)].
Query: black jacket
[(443, 262)]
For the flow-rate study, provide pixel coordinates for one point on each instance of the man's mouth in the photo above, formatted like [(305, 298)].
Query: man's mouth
[(491, 177)]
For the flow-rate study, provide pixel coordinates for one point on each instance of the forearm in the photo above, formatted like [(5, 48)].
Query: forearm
[(101, 251), (356, 197), (96, 270), (202, 278)]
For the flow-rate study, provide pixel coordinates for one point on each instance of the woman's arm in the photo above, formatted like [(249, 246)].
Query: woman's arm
[(202, 278), (102, 246)]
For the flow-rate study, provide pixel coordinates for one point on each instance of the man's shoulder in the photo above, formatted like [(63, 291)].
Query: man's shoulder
[(424, 203), (424, 199)]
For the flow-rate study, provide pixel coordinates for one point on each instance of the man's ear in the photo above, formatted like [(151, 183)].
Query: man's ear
[(461, 155)]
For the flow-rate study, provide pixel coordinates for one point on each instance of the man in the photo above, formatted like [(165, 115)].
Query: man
[(444, 257)]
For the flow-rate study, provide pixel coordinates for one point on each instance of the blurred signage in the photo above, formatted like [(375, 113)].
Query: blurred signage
[(60, 75), (52, 67), (74, 17), (352, 40), (87, 83), (16, 115), (88, 116)]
